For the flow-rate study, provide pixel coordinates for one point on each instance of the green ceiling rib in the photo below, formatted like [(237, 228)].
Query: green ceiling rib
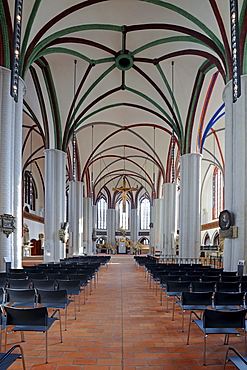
[(172, 98), (168, 40), (98, 111), (96, 82), (54, 106), (4, 28), (43, 44), (244, 68), (241, 21), (193, 19), (27, 32), (242, 14), (61, 50), (144, 96), (190, 119)]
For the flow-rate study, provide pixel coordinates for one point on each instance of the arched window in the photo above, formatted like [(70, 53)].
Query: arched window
[(144, 213), (123, 217), (101, 213), (29, 190), (218, 200)]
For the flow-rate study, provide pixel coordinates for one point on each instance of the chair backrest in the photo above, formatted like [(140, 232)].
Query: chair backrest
[(37, 275), (18, 284), (44, 284), (52, 296), (228, 298), (197, 298), (21, 295), (177, 286), (210, 278), (165, 278), (243, 286), (222, 286), (56, 276), (230, 278), (26, 316), (17, 275), (224, 319), (205, 286), (71, 286)]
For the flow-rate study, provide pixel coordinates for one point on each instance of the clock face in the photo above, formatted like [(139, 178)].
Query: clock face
[(225, 220)]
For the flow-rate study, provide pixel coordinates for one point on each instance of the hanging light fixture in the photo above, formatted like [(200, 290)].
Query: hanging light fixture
[(74, 134), (92, 179), (124, 189), (31, 172), (173, 133)]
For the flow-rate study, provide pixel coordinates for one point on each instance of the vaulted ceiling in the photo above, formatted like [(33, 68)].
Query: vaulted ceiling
[(131, 80)]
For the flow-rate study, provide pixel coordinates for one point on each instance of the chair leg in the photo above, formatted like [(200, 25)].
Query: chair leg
[(188, 336), (75, 306), (65, 318), (173, 307), (183, 320), (204, 349), (22, 336), (46, 347), (22, 359), (60, 324)]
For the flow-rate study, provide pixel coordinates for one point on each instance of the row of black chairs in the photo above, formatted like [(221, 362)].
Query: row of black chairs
[(223, 312), (26, 297)]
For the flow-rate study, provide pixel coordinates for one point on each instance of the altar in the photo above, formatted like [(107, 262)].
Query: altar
[(122, 247)]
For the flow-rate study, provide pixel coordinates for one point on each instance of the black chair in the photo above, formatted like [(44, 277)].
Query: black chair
[(243, 286), (21, 297), (228, 300), (238, 360), (174, 289), (210, 278), (194, 301), (29, 319), (3, 281), (73, 288), (230, 278), (163, 281), (222, 286), (219, 322), (36, 276), (44, 284), (8, 358), (18, 284), (55, 299), (204, 286), (83, 282), (17, 275)]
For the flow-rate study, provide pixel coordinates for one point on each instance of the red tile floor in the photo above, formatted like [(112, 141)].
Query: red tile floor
[(123, 326)]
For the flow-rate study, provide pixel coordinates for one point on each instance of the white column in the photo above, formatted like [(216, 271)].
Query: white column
[(134, 224), (94, 223), (17, 179), (189, 215), (111, 226), (10, 167), (87, 225), (55, 177), (158, 225), (236, 173), (75, 217), (170, 205)]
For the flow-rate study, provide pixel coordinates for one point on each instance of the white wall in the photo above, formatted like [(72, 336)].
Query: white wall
[(35, 228)]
